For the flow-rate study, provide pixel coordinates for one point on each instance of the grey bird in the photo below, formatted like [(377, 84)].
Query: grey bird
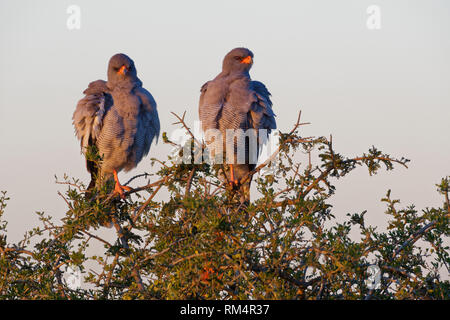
[(118, 117), (233, 101)]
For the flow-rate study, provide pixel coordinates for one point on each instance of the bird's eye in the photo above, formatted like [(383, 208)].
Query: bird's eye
[(237, 58)]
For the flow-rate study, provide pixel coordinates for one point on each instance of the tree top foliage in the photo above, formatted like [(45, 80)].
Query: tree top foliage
[(201, 242)]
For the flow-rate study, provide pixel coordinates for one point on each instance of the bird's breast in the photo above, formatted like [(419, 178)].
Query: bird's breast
[(127, 105)]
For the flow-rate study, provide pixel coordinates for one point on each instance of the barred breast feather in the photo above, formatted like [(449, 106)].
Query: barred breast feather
[(237, 104)]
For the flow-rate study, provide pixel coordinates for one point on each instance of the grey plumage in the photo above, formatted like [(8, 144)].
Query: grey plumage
[(119, 117), (233, 101)]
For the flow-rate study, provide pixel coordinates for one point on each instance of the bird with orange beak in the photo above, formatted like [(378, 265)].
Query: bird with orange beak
[(241, 110), (118, 117)]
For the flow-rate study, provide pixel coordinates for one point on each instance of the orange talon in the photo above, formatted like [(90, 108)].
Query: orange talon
[(120, 188), (233, 181)]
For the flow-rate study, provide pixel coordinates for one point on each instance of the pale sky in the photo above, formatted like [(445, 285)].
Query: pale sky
[(386, 87)]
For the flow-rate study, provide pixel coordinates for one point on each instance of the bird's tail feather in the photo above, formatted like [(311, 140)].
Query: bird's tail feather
[(93, 170), (92, 183)]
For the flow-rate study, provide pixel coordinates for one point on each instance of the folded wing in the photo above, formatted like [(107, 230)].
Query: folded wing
[(88, 118)]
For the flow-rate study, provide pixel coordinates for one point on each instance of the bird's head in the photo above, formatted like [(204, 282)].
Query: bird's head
[(238, 60), (121, 69)]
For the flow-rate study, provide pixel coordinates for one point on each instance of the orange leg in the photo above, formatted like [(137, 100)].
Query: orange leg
[(233, 181), (120, 188)]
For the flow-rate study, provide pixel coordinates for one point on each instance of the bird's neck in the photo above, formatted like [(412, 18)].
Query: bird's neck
[(234, 75), (128, 84)]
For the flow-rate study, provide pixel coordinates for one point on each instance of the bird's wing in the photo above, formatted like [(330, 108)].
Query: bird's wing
[(261, 115), (151, 114), (88, 119), (90, 112), (211, 102), (149, 119)]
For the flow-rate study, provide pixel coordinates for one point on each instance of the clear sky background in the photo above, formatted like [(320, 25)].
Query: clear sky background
[(387, 87)]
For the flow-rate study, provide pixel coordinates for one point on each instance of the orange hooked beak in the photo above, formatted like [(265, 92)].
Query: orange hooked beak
[(123, 70), (247, 60)]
